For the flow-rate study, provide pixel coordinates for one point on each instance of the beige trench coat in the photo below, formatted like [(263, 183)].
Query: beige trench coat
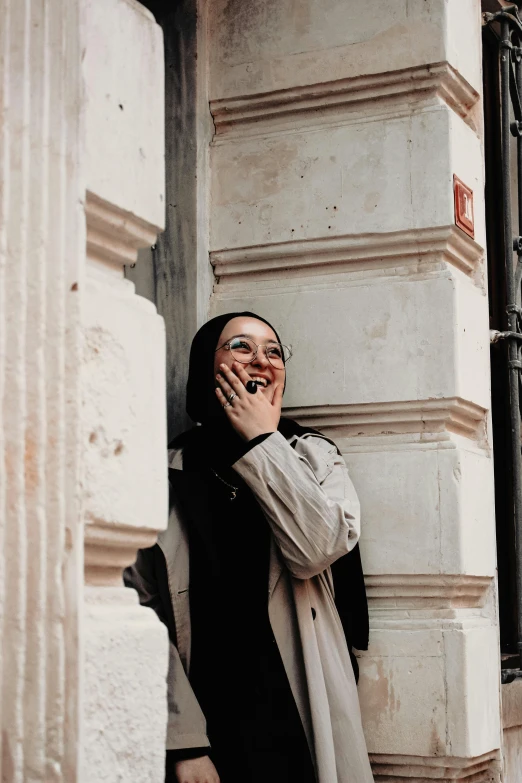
[(313, 512)]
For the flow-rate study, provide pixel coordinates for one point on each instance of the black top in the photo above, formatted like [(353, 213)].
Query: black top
[(236, 670)]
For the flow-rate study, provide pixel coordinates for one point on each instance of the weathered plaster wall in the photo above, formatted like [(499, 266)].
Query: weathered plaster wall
[(339, 127), (124, 489), (42, 252), (512, 730)]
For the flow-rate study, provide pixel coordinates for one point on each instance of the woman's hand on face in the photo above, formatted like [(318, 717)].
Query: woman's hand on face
[(199, 770), (249, 414)]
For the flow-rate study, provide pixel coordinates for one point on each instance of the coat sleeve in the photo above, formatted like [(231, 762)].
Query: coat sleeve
[(308, 499), (186, 727)]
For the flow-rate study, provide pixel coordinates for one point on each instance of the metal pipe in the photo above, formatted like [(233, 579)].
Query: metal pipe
[(512, 308), (516, 130)]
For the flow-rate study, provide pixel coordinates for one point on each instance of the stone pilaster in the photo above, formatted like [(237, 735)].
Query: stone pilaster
[(42, 253)]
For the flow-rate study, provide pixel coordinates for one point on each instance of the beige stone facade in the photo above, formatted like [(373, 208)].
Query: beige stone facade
[(333, 215), (327, 137)]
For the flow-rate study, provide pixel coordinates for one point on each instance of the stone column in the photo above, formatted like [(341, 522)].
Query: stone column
[(42, 251), (339, 127), (123, 391)]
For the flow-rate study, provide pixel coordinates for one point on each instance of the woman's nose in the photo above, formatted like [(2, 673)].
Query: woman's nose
[(260, 359)]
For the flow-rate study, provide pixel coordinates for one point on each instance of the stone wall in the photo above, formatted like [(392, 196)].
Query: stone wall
[(124, 488), (339, 129), (512, 731), (82, 415)]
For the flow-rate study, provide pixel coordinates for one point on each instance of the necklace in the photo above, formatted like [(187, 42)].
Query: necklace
[(230, 486)]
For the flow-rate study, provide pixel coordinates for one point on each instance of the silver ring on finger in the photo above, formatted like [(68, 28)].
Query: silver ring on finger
[(227, 405), (231, 397)]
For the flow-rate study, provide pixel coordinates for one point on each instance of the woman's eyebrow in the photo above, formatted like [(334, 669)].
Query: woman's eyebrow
[(270, 340)]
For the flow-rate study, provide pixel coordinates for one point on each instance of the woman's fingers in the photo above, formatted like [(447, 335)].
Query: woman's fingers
[(241, 373), (222, 399), (250, 414), (198, 770), (232, 379), (224, 385)]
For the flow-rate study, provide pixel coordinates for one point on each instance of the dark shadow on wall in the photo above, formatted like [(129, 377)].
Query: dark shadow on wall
[(167, 273)]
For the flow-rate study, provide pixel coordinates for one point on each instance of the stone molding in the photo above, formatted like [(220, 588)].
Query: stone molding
[(111, 548), (443, 769), (432, 419), (426, 591), (390, 93), (411, 250), (114, 236)]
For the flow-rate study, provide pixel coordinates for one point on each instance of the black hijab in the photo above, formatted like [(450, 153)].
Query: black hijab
[(202, 404), (200, 447)]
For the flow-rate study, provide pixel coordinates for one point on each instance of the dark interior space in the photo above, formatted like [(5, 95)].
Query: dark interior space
[(505, 529)]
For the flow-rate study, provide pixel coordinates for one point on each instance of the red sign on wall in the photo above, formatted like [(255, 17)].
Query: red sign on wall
[(464, 218)]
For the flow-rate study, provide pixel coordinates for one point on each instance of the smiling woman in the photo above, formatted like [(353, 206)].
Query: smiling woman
[(239, 360), (260, 681)]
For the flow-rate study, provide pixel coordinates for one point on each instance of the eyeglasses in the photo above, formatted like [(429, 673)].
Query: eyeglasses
[(245, 351)]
